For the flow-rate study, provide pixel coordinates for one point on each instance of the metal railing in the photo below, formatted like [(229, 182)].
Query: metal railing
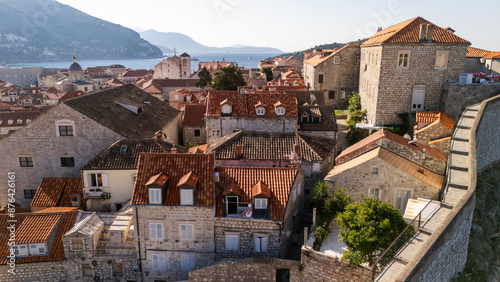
[(390, 253)]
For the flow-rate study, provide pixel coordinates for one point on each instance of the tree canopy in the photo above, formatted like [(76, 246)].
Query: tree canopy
[(356, 115), (368, 228), (268, 72), (205, 78), (228, 78)]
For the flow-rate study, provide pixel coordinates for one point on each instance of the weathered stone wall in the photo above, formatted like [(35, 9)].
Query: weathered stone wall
[(454, 95), (432, 132), (40, 271), (40, 141), (442, 145), (188, 135), (488, 136), (387, 90)]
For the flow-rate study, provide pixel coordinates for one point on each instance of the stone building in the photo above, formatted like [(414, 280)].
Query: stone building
[(335, 72), (193, 124), (277, 200), (162, 87), (404, 68), (13, 121), (318, 120), (312, 154), (385, 175), (434, 130), (229, 112), (61, 140), (108, 178), (174, 67), (474, 60), (174, 208)]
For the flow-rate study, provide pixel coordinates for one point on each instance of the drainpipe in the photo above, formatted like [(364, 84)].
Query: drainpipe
[(139, 243)]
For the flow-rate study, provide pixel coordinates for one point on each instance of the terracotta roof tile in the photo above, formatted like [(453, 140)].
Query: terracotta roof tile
[(289, 101), (58, 210), (56, 252), (189, 179), (176, 166), (232, 189), (271, 146), (426, 117), (157, 180), (36, 229), (261, 189), (216, 97), (327, 121), (197, 149), (428, 120), (24, 117), (279, 181), (408, 32), (492, 55), (57, 192), (473, 52)]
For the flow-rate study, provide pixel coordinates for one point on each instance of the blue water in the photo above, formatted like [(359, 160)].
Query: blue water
[(243, 60)]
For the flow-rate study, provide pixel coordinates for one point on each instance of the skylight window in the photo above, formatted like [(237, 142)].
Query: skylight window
[(123, 149)]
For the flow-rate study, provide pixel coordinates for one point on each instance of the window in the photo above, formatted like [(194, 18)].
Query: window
[(417, 104), (260, 203), (374, 193), (117, 269), (331, 94), (197, 133), (19, 121), (187, 197), (342, 94), (441, 60), (231, 205), (87, 270), (98, 180), (260, 111), (37, 249), (261, 243), (158, 262), (188, 262), (295, 84), (65, 130), (402, 197), (156, 230), (215, 132), (29, 193), (77, 245), (320, 78), (154, 196), (26, 161), (184, 62), (236, 130), (280, 111), (11, 121), (375, 170), (336, 60), (356, 60), (21, 250), (232, 242), (286, 84), (186, 232), (123, 149), (403, 59), (226, 109), (67, 162)]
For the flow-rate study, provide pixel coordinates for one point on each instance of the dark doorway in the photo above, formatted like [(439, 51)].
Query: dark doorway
[(232, 204), (282, 275)]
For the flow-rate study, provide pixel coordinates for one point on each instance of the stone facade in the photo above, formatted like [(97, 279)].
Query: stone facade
[(387, 90), (174, 67), (340, 76), (189, 133), (40, 271), (40, 141), (433, 132), (488, 136), (456, 94), (171, 246)]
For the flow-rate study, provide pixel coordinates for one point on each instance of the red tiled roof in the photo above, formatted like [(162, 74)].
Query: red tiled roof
[(36, 229), (216, 97), (71, 95), (279, 180), (473, 52), (492, 55), (289, 101), (214, 65), (57, 191), (166, 82), (57, 210), (17, 116), (261, 189), (157, 180), (198, 149), (430, 119), (176, 166), (134, 73), (194, 114), (189, 179), (232, 189), (408, 32)]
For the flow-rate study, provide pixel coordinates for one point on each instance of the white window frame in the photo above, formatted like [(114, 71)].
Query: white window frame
[(156, 230), (158, 262), (280, 111), (232, 242), (216, 133), (336, 60), (260, 203), (22, 250), (398, 201), (186, 232), (375, 193), (154, 195), (34, 249), (96, 175), (65, 122), (401, 59), (226, 109), (187, 197), (441, 61), (188, 262), (342, 94), (414, 102), (261, 243), (260, 111), (71, 244)]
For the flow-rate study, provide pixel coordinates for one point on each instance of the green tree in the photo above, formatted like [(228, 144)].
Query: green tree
[(228, 78), (320, 193), (356, 115), (268, 71), (368, 228), (205, 78)]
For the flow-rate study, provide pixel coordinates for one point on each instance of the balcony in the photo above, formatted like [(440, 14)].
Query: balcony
[(96, 192), (256, 213)]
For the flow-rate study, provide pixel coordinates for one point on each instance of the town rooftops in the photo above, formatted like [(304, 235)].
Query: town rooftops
[(326, 114), (318, 59), (35, 227), (473, 52), (194, 114), (87, 225), (426, 120), (124, 154), (136, 73), (398, 162), (492, 55), (215, 98), (108, 107), (278, 183), (271, 146), (309, 97), (57, 192), (174, 83), (16, 119), (408, 32), (176, 166)]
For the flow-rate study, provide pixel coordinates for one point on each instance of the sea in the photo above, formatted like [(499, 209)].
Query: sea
[(247, 60)]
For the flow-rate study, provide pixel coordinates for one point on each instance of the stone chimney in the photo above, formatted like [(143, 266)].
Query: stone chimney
[(158, 135), (239, 151), (430, 31), (174, 149), (296, 149), (421, 34)]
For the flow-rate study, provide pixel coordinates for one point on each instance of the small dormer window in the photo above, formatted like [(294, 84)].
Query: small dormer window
[(11, 121), (187, 185), (260, 111), (20, 250), (280, 111), (260, 203), (226, 107), (28, 121), (187, 197), (286, 84), (37, 249), (19, 121), (154, 195), (295, 84)]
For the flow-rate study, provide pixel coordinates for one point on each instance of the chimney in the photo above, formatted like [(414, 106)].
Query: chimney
[(430, 30), (379, 28), (421, 34), (296, 148), (174, 149), (239, 151), (158, 135)]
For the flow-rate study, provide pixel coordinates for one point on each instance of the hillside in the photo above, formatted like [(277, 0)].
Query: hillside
[(184, 43), (51, 31), (300, 54)]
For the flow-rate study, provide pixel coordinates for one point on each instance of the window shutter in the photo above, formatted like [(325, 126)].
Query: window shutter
[(189, 232), (155, 262), (89, 180), (104, 180), (152, 230), (159, 231), (264, 244), (257, 244)]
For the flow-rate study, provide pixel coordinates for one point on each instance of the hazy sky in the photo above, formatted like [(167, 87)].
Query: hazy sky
[(292, 25)]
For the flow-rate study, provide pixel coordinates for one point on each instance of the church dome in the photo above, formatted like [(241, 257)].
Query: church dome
[(75, 66)]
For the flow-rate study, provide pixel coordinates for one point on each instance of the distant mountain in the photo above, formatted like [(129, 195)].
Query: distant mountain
[(46, 30), (184, 43), (300, 54)]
